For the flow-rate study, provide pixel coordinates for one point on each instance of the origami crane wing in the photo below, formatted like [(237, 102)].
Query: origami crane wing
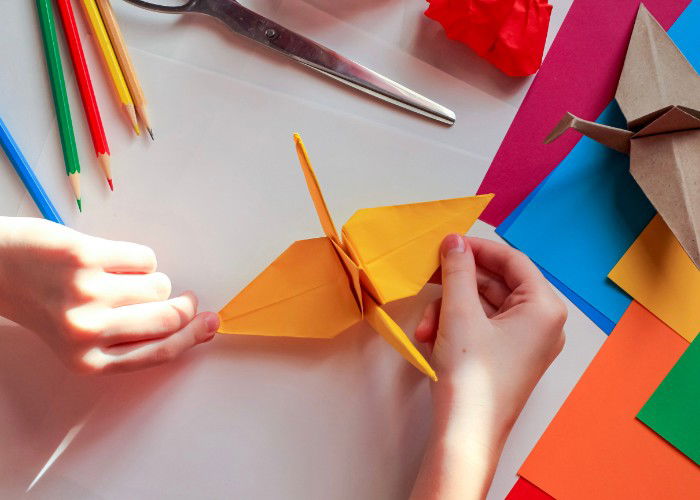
[(655, 75), (666, 168), (395, 336), (397, 247), (303, 293)]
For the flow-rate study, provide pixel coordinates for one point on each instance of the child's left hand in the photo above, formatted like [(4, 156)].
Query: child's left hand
[(99, 304)]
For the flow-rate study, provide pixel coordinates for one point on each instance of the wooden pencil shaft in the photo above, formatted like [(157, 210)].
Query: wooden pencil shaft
[(58, 86), (106, 50), (82, 73), (122, 52), (25, 173)]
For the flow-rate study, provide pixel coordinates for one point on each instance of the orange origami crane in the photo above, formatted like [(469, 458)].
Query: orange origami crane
[(319, 287)]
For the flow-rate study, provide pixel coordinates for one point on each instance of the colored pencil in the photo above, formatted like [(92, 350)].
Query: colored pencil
[(19, 162), (127, 66), (60, 97), (87, 93), (110, 59)]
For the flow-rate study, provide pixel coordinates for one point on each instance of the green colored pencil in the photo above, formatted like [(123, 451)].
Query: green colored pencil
[(60, 97)]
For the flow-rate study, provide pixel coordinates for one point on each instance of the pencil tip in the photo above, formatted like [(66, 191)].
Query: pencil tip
[(80, 204), (111, 185), (150, 132)]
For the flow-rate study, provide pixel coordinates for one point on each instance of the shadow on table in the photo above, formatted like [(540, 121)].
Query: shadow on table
[(41, 402), (429, 43)]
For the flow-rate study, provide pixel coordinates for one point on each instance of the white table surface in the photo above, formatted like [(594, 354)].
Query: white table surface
[(218, 196)]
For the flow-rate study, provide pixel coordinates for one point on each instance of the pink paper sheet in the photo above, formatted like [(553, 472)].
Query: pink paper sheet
[(579, 75)]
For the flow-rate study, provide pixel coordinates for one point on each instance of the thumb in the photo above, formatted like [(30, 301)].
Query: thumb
[(459, 289)]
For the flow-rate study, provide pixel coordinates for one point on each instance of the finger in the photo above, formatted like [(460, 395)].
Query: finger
[(148, 321), (459, 290), (491, 287), (155, 352), (428, 325), (511, 265), (489, 309), (124, 257), (119, 290)]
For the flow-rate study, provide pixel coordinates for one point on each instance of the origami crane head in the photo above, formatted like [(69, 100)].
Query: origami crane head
[(319, 287), (659, 94)]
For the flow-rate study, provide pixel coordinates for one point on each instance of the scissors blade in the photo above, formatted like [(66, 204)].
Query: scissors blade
[(314, 55)]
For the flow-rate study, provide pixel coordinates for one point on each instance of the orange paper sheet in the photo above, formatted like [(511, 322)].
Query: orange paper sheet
[(595, 448), (658, 273)]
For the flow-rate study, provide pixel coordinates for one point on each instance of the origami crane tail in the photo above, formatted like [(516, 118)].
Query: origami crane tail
[(395, 336), (614, 138)]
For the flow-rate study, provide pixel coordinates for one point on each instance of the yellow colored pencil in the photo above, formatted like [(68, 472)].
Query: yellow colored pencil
[(127, 66), (110, 59)]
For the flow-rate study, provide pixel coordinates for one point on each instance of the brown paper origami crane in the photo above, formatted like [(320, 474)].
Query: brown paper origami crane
[(659, 94)]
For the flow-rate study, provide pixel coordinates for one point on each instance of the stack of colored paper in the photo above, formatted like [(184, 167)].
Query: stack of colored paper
[(629, 429)]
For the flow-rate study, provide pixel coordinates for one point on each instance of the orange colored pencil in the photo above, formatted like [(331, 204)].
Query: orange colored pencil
[(127, 66)]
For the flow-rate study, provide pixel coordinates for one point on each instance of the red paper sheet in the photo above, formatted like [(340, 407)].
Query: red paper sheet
[(579, 75), (525, 490)]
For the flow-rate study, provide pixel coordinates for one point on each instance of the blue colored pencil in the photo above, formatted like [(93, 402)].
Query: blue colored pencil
[(28, 178)]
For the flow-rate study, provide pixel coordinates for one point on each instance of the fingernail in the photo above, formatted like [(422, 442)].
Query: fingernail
[(212, 322), (452, 243)]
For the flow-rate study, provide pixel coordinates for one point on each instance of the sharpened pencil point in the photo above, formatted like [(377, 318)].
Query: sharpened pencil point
[(150, 132), (111, 185), (80, 204)]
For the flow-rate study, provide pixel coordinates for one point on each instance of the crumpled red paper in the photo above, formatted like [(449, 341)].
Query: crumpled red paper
[(510, 34)]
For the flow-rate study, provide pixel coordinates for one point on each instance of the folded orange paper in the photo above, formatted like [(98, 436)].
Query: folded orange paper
[(319, 287)]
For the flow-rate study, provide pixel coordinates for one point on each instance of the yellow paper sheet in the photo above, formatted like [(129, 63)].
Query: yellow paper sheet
[(658, 274)]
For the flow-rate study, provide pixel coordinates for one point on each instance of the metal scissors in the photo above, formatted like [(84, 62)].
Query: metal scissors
[(245, 22)]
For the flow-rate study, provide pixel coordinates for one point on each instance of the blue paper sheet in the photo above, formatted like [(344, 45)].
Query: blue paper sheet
[(582, 218), (593, 314)]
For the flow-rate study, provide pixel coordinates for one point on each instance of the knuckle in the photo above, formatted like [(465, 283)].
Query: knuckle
[(561, 341), (144, 255), (84, 285), (170, 321), (161, 285), (90, 362), (77, 251), (455, 270), (149, 257), (553, 311), (81, 325), (163, 354)]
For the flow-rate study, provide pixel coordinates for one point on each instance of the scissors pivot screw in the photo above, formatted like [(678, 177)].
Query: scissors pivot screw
[(271, 33)]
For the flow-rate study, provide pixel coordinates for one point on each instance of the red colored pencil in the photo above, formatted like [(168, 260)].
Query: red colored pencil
[(87, 93)]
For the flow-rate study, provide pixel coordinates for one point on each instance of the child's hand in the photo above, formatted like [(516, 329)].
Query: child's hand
[(99, 304), (495, 331)]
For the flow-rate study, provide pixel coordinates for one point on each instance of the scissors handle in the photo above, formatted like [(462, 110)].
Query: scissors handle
[(189, 6)]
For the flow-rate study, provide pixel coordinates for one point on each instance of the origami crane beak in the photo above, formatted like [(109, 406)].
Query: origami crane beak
[(614, 138)]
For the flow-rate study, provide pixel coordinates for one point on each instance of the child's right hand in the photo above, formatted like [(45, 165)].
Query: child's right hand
[(497, 328), (99, 304)]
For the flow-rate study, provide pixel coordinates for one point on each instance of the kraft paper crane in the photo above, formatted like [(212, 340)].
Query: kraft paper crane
[(659, 94), (319, 287)]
